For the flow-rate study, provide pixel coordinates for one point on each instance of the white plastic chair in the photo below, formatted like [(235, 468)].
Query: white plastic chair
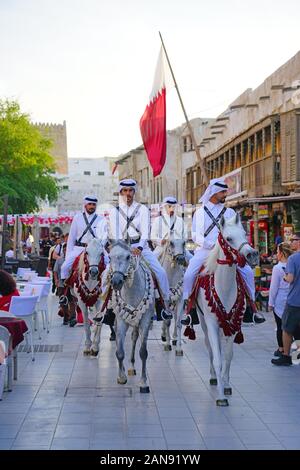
[(41, 288), (7, 365), (24, 307), (35, 289)]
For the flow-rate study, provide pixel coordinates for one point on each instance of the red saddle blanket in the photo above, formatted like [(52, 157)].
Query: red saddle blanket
[(231, 321)]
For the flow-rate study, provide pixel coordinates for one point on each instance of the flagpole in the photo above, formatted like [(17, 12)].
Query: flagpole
[(196, 148)]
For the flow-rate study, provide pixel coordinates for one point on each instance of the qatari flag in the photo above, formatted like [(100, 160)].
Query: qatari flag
[(153, 121)]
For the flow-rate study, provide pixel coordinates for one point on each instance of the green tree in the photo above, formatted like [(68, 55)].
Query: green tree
[(26, 166)]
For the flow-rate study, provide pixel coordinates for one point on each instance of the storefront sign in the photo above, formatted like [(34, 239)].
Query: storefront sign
[(263, 211)]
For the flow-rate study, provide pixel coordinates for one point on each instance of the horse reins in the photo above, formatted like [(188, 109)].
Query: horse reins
[(233, 256)]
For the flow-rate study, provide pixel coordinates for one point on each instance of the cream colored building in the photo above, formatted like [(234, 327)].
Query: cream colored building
[(58, 134)]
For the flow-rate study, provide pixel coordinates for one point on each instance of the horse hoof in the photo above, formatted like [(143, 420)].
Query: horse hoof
[(213, 382), (121, 381), (179, 353), (174, 342), (164, 339), (222, 402), (167, 347), (86, 352), (144, 389), (94, 353), (227, 391), (131, 372)]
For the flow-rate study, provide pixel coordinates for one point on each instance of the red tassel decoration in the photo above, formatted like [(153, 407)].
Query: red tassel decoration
[(192, 335), (239, 338), (187, 331)]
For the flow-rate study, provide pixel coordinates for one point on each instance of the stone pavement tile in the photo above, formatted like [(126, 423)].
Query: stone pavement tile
[(146, 443), (70, 444), (223, 443), (290, 443), (13, 408), (108, 426), (239, 411), (75, 418), (109, 444), (139, 418), (30, 447), (213, 416), (188, 437), (11, 418), (279, 417), (216, 430), (44, 402), (30, 438), (9, 430), (39, 424), (5, 444), (144, 430), (172, 424), (257, 437), (19, 398), (169, 412), (79, 407), (286, 430), (108, 412), (265, 447), (43, 413), (247, 424), (71, 430)]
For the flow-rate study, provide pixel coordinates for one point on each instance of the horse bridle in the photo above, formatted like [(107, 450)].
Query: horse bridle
[(230, 252)]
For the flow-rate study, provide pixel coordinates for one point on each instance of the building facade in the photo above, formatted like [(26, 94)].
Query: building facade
[(87, 176), (255, 144), (172, 180)]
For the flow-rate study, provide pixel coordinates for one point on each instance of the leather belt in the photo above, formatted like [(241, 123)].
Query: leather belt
[(80, 244)]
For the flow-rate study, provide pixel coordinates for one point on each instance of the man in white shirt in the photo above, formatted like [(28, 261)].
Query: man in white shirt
[(205, 230), (84, 228), (131, 220), (167, 225)]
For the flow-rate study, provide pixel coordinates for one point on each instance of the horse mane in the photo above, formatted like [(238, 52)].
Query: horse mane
[(120, 243), (81, 263), (211, 262)]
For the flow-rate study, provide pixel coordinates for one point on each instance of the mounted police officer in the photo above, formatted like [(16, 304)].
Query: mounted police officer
[(131, 221), (167, 225), (84, 228), (205, 230)]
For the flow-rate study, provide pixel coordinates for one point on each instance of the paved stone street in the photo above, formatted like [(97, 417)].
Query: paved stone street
[(66, 401)]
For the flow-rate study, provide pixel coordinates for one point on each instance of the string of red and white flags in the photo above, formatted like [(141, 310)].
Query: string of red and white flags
[(28, 219)]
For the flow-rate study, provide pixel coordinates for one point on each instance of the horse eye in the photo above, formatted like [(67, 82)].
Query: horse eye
[(229, 239), (128, 257), (172, 243)]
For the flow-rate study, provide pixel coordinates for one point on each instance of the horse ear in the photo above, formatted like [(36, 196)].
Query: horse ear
[(222, 221), (237, 218)]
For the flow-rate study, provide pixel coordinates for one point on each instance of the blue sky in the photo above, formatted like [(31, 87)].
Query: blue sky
[(91, 62)]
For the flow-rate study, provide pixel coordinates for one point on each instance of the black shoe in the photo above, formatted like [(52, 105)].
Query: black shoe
[(112, 337), (278, 353), (186, 321), (166, 315), (258, 319), (65, 322), (282, 361), (72, 322)]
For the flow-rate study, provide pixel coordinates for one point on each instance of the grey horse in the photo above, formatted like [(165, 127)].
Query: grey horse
[(173, 260), (133, 303)]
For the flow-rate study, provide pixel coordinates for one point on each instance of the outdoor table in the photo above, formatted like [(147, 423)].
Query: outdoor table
[(17, 327)]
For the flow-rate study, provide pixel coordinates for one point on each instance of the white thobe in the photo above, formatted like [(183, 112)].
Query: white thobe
[(201, 222), (78, 226)]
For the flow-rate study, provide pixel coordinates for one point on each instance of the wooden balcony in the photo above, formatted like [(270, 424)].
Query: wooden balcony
[(262, 177)]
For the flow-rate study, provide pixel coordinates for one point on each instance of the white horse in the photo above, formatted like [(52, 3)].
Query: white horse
[(221, 303), (133, 303), (173, 260), (87, 290)]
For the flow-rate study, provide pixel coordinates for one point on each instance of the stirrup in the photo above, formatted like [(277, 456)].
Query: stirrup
[(166, 315), (187, 321), (63, 300)]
